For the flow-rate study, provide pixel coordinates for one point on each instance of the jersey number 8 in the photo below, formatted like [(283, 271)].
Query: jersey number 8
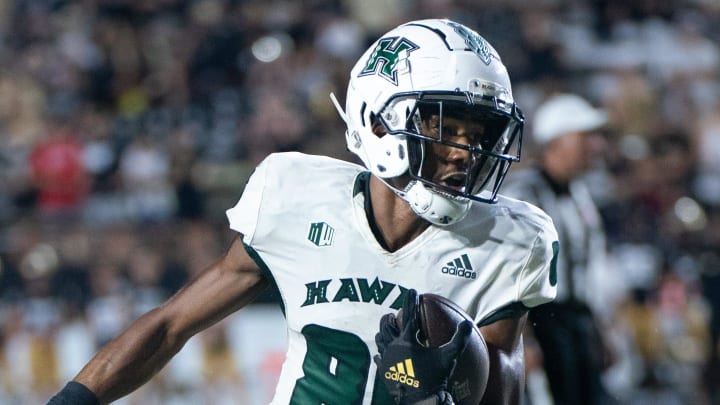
[(336, 369)]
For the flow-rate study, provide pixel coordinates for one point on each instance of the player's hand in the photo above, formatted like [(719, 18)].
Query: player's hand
[(413, 372)]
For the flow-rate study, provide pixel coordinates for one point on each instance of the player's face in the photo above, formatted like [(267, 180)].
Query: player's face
[(447, 165)]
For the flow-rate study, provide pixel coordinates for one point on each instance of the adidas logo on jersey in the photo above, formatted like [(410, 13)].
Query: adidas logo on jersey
[(404, 373), (460, 267)]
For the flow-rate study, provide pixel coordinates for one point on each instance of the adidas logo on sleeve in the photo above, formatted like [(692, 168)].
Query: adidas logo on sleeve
[(460, 267)]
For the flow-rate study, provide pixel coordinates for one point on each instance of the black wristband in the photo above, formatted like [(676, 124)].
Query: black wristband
[(74, 393)]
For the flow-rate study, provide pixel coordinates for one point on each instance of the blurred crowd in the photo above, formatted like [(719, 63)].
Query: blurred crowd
[(128, 127)]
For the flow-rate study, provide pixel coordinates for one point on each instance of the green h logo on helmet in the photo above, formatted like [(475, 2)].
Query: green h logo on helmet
[(385, 57)]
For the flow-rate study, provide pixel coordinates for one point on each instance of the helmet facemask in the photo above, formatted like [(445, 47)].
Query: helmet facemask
[(460, 145)]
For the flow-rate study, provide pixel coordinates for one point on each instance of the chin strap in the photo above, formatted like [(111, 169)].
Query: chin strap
[(430, 205), (434, 207)]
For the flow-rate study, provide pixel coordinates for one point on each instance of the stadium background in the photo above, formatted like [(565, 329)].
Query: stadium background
[(127, 127)]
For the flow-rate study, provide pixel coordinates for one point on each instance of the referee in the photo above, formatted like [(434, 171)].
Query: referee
[(566, 128)]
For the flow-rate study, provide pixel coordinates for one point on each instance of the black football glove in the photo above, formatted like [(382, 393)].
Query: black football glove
[(413, 372)]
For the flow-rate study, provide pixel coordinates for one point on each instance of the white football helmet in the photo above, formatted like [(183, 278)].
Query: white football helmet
[(427, 71)]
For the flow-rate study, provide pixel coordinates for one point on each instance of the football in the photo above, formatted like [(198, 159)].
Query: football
[(439, 319)]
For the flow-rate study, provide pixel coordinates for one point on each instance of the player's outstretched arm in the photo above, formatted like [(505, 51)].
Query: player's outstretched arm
[(507, 370), (150, 342)]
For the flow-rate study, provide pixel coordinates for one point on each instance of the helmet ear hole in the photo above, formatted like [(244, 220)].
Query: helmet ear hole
[(377, 127)]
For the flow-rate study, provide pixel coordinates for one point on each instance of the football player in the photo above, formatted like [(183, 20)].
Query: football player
[(430, 114)]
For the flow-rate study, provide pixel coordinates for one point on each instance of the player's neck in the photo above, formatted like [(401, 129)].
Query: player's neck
[(396, 223)]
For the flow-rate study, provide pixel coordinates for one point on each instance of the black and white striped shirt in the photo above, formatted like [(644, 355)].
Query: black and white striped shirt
[(579, 226)]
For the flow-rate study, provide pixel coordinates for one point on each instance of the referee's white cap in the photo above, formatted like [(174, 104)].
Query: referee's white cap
[(565, 113)]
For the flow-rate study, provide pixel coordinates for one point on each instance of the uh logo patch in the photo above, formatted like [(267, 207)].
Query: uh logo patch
[(321, 234)]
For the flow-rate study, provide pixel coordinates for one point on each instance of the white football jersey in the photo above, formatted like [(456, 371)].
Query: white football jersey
[(304, 222)]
